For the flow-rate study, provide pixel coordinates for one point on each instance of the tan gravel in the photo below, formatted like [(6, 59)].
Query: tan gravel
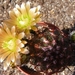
[(58, 12)]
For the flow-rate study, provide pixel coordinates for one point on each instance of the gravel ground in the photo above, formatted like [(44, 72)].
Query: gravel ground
[(58, 12)]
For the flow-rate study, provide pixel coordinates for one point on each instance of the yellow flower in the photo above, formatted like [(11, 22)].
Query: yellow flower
[(24, 17), (11, 46)]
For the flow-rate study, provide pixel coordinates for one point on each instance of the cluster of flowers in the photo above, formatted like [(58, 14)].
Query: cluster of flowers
[(50, 47), (22, 20)]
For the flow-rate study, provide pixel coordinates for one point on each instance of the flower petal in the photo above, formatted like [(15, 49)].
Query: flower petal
[(21, 45), (18, 49), (13, 57), (21, 35), (17, 12), (27, 6), (17, 6), (18, 41), (34, 28), (4, 56), (7, 29), (12, 15), (5, 66), (25, 51), (32, 12), (10, 22), (23, 8), (13, 31), (38, 8)]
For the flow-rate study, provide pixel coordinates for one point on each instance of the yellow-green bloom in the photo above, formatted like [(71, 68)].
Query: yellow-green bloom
[(24, 17), (11, 46)]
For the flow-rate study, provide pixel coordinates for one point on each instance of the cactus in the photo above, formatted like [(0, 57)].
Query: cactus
[(50, 51)]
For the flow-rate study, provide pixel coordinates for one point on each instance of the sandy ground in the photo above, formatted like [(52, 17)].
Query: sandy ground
[(58, 12)]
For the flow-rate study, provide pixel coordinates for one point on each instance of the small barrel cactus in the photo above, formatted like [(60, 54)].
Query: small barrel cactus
[(50, 51)]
